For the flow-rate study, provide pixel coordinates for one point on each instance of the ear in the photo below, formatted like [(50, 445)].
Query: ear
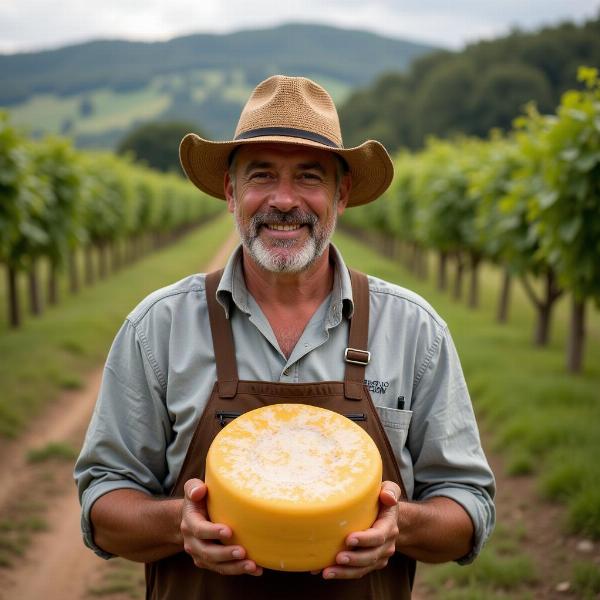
[(229, 192), (345, 187)]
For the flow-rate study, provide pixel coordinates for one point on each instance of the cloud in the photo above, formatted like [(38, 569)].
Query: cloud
[(34, 24)]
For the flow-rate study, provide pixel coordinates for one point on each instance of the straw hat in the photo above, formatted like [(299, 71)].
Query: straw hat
[(288, 110)]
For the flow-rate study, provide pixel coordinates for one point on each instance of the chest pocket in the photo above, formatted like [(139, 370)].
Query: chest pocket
[(396, 423)]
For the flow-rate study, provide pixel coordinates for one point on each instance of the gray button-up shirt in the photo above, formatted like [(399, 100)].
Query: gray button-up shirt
[(161, 369)]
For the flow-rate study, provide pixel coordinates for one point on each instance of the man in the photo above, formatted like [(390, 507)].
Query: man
[(287, 313)]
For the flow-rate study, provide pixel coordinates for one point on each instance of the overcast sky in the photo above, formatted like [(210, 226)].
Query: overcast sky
[(37, 24)]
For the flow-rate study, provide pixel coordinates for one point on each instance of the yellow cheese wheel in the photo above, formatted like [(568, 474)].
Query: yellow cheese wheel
[(292, 481)]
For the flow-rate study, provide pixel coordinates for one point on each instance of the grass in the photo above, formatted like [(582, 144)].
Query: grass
[(48, 112), (542, 419), (55, 351), (120, 576), (16, 530), (45, 112), (52, 450), (501, 571), (491, 573), (113, 110), (586, 580), (237, 89)]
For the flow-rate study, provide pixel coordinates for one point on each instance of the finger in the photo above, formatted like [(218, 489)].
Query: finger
[(214, 553), (234, 567), (370, 557), (369, 538), (390, 493), (203, 529), (195, 490), (227, 560), (339, 572), (238, 567), (385, 529)]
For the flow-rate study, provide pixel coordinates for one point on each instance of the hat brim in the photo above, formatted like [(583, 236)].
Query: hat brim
[(205, 163)]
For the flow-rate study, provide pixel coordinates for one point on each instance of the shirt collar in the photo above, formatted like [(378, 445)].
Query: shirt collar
[(232, 287)]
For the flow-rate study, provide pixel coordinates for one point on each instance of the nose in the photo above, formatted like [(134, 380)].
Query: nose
[(284, 197)]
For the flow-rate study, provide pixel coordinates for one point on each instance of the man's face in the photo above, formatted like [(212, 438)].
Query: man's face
[(286, 200)]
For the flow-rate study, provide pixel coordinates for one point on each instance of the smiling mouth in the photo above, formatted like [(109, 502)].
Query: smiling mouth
[(281, 227)]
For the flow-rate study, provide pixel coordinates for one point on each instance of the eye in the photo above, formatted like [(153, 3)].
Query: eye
[(310, 177), (260, 175)]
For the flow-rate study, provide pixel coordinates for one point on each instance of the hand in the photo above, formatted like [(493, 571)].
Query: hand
[(204, 541), (370, 549)]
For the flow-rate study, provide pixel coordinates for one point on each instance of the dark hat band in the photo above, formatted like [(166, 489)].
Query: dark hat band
[(287, 132)]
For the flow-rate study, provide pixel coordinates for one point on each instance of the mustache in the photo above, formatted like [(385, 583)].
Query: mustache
[(278, 217)]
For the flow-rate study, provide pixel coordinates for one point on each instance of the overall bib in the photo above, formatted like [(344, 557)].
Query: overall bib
[(176, 577)]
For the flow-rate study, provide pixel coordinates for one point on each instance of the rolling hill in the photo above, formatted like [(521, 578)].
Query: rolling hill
[(95, 92)]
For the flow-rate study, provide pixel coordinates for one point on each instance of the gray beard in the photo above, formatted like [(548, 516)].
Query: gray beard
[(269, 257)]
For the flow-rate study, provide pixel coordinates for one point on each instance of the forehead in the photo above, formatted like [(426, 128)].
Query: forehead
[(284, 154)]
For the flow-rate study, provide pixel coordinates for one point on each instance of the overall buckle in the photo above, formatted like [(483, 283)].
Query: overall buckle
[(357, 357)]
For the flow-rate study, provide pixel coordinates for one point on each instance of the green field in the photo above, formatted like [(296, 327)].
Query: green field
[(111, 114), (49, 114)]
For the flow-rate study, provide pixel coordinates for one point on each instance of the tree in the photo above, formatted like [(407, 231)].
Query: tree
[(157, 144), (525, 189), (568, 210), (13, 211), (86, 107), (446, 213), (24, 201), (471, 91), (500, 229), (106, 194), (381, 114), (55, 161), (441, 104), (503, 91), (402, 210)]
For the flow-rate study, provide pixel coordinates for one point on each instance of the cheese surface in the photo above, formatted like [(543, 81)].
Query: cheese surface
[(292, 481)]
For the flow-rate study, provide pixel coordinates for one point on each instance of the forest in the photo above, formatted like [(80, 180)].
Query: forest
[(482, 87)]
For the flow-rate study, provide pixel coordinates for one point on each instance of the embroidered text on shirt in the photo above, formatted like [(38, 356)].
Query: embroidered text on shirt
[(379, 387)]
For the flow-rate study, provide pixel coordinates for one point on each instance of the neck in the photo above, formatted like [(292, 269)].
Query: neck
[(289, 289)]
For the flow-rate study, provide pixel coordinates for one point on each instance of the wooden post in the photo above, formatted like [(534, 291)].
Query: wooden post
[(576, 336), (14, 309)]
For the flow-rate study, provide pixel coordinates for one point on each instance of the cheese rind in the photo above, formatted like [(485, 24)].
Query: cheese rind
[(292, 481)]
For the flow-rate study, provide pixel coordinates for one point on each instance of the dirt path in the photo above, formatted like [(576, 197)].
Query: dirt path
[(56, 566)]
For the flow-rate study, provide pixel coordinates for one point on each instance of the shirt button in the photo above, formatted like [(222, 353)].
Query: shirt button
[(286, 372)]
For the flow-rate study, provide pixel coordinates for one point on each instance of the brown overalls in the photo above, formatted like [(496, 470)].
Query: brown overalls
[(176, 577)]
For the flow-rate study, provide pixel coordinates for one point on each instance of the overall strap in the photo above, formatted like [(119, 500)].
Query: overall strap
[(357, 356), (220, 327)]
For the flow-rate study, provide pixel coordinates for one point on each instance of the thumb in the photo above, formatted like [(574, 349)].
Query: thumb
[(195, 490), (390, 493)]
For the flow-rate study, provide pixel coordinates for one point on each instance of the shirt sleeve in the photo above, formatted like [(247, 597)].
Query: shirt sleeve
[(125, 445), (444, 441)]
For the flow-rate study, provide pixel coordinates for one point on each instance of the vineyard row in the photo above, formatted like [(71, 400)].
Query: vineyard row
[(58, 204), (528, 201)]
